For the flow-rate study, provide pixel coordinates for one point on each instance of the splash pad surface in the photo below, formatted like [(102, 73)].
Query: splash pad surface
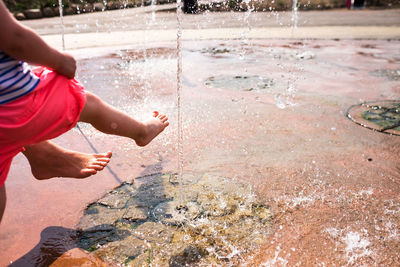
[(329, 183), (291, 139)]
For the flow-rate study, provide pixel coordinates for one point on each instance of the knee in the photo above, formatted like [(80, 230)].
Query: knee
[(92, 100), (91, 108)]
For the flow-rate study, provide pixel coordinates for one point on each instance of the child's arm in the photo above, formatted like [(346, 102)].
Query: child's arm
[(24, 44)]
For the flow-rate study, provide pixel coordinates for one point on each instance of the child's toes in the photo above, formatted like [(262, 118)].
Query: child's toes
[(155, 113)]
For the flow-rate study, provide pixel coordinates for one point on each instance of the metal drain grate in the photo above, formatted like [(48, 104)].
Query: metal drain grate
[(382, 116)]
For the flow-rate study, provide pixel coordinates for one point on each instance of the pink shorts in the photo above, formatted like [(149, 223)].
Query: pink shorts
[(50, 110)]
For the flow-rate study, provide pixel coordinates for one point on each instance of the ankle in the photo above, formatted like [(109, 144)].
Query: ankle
[(141, 134)]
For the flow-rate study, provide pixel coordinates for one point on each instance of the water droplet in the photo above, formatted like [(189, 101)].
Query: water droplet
[(279, 102)]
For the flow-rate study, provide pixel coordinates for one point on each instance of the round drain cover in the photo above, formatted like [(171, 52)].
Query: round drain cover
[(381, 116)]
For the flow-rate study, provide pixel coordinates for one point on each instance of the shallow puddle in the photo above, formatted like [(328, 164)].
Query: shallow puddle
[(381, 116)]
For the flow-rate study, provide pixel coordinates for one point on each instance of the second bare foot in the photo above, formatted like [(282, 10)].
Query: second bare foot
[(152, 128), (48, 160)]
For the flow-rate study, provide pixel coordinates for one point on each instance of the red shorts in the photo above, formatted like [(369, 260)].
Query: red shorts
[(50, 110)]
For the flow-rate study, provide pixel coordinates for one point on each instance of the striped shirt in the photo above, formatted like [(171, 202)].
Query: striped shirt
[(16, 79)]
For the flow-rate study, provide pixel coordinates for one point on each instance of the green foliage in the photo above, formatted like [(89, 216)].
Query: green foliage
[(20, 5), (48, 3), (281, 4), (93, 248)]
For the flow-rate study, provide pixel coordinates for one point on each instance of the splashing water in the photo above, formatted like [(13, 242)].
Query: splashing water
[(105, 4), (295, 15), (245, 33), (284, 100), (179, 90), (62, 23), (279, 102), (153, 10)]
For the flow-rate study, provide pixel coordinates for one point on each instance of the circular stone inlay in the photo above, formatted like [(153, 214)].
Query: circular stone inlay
[(381, 116)]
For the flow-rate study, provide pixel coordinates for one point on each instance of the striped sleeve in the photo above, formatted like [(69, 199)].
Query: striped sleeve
[(16, 79)]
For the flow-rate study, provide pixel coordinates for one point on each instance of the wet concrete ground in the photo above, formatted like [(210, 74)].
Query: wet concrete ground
[(333, 186)]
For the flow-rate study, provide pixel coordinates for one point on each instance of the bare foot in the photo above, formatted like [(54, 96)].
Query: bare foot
[(152, 128), (48, 160)]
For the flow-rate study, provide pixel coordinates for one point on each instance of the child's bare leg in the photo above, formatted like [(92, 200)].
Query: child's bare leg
[(48, 160), (107, 119), (3, 200)]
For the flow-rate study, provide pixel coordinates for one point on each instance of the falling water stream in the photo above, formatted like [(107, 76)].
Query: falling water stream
[(246, 32), (179, 92), (153, 10), (62, 23), (295, 15), (284, 100)]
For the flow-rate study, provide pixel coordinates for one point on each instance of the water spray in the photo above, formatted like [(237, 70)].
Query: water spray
[(77, 125), (60, 5), (179, 91)]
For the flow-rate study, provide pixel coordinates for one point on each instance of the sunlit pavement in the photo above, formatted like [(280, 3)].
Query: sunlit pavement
[(333, 185)]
